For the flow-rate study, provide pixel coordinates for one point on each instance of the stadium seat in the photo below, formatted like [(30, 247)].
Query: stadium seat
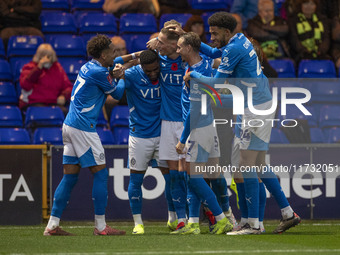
[(292, 112), (106, 136), (44, 116), (324, 90), (2, 49), (69, 46), (329, 116), (72, 67), (23, 45), (139, 42), (52, 135), (316, 69), (137, 23), (86, 4), (277, 136), (58, 22), (120, 116), (284, 68), (180, 17), (5, 71), (209, 4), (10, 116), (128, 40), (55, 5), (102, 122), (8, 94), (316, 135), (94, 23), (17, 65), (121, 135), (14, 136), (334, 135)]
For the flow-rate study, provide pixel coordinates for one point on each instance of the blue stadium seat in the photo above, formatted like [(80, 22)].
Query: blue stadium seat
[(8, 94), (137, 23), (106, 136), (14, 136), (55, 5), (58, 22), (316, 135), (284, 68), (209, 4), (121, 135), (316, 69), (329, 116), (180, 17), (44, 116), (10, 116), (86, 4), (294, 113), (277, 136), (5, 71), (52, 135), (72, 67), (2, 49), (324, 90), (128, 40), (102, 122), (23, 45), (120, 116), (334, 135), (139, 42), (94, 23), (17, 65), (69, 46)]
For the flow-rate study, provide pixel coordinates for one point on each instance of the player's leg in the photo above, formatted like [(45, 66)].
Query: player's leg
[(268, 177), (262, 204), (61, 198)]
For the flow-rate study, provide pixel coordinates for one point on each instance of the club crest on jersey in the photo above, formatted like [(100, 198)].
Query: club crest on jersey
[(133, 161), (109, 78), (174, 67)]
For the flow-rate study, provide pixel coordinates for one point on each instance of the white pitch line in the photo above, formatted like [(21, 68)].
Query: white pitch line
[(318, 251)]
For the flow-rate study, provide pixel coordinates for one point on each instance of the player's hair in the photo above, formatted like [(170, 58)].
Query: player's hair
[(97, 44), (193, 40), (148, 57), (223, 20), (170, 34), (172, 22)]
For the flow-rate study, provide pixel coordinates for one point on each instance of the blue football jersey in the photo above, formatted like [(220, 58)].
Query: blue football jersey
[(171, 80), (88, 96), (239, 61), (144, 100)]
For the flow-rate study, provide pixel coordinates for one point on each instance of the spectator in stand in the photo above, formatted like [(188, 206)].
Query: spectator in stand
[(310, 32), (118, 7), (44, 81), (269, 30), (238, 28), (195, 24), (119, 45), (19, 17), (247, 9)]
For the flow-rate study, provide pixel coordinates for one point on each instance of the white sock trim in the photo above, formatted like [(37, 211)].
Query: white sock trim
[(53, 222), (220, 217), (138, 219), (287, 212), (99, 222)]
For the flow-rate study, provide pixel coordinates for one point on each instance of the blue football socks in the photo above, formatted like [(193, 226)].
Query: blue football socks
[(99, 191), (135, 192)]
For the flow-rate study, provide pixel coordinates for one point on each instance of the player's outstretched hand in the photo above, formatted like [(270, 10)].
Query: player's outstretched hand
[(152, 44), (177, 29), (186, 77), (180, 147)]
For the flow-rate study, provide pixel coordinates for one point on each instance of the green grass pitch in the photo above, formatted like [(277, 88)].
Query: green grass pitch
[(314, 237)]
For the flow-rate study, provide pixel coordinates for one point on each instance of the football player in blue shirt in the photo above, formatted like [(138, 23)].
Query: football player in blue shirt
[(239, 60), (171, 78), (202, 143), (144, 100), (82, 145)]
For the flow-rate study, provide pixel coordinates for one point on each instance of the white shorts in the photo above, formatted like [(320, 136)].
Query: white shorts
[(170, 135), (255, 134), (202, 144), (142, 151), (81, 147)]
